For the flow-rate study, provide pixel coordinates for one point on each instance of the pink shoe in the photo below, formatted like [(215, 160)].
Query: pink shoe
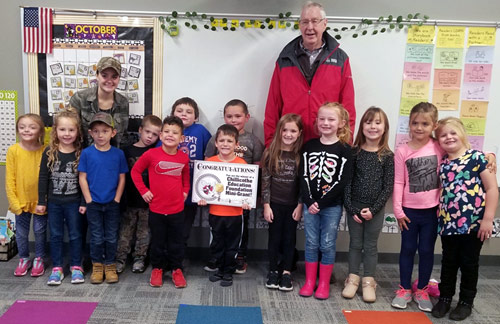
[(22, 268), (323, 289), (38, 267), (433, 287), (307, 289)]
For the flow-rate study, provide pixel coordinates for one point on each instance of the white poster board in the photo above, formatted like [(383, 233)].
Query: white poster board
[(229, 184)]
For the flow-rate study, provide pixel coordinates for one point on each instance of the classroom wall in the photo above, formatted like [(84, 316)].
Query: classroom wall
[(11, 52)]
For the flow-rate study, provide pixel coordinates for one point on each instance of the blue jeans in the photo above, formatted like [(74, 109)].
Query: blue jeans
[(23, 222), (321, 233), (104, 224), (58, 215), (421, 235)]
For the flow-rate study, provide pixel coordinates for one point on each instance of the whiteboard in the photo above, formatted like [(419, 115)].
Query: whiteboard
[(214, 67)]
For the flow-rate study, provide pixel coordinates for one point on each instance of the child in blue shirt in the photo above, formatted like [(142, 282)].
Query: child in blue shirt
[(196, 137), (102, 180)]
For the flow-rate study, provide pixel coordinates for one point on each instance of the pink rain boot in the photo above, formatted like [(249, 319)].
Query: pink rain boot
[(311, 270), (323, 290)]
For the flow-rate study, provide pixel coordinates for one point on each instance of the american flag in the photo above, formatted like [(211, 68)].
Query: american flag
[(37, 30)]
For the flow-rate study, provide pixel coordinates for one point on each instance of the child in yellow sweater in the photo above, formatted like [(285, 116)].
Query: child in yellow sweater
[(21, 185)]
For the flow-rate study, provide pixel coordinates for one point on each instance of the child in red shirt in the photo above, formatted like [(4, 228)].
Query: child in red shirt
[(168, 171)]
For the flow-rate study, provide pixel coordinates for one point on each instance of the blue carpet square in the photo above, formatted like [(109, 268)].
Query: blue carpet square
[(192, 314)]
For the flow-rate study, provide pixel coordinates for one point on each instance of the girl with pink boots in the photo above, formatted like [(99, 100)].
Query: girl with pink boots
[(325, 170)]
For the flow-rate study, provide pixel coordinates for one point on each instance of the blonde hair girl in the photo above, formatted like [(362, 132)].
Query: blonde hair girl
[(325, 171), (21, 186), (59, 193)]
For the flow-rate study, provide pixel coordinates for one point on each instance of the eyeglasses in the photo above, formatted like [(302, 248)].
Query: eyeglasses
[(315, 22)]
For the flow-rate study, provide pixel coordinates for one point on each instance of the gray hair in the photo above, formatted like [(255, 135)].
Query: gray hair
[(310, 4)]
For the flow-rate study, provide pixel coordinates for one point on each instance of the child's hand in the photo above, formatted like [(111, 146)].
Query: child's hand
[(297, 213), (82, 209), (485, 231), (185, 195), (246, 206), (366, 214), (40, 209), (357, 219), (402, 223), (314, 208), (202, 202), (492, 162), (148, 197), (268, 213)]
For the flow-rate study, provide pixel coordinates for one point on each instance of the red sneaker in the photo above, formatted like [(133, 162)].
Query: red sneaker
[(156, 278), (178, 279)]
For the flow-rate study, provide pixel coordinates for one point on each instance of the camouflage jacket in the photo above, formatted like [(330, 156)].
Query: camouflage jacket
[(87, 104)]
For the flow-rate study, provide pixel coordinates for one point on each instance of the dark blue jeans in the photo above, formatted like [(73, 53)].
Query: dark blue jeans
[(59, 214), (23, 222), (321, 234), (104, 224), (421, 235)]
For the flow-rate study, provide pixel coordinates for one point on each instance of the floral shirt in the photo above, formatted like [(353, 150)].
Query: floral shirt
[(462, 195)]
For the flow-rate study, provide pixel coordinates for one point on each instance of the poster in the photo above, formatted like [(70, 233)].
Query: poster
[(229, 184), (8, 111)]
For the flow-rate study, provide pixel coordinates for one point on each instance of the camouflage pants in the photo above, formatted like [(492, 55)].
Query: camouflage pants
[(134, 225)]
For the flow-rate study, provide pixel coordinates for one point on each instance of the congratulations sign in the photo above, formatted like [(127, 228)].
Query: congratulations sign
[(83, 31), (229, 184)]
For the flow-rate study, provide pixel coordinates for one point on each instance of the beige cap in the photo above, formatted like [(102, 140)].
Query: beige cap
[(102, 117)]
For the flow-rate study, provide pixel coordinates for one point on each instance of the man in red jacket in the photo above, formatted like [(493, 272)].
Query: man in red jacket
[(310, 71)]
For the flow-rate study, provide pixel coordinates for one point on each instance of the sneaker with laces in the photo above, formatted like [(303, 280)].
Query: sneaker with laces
[(120, 265), (403, 296), (433, 286), (77, 275), (421, 297), (227, 280), (38, 267), (241, 265), (22, 267), (178, 279), (139, 265), (286, 282), (56, 276), (211, 266), (156, 279), (273, 280)]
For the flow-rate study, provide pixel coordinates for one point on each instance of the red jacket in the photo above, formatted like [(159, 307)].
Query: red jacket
[(290, 92)]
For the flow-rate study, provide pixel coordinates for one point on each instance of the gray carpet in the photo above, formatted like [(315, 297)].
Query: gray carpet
[(132, 300)]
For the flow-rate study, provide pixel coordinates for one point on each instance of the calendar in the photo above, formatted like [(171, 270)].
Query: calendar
[(73, 67), (8, 112)]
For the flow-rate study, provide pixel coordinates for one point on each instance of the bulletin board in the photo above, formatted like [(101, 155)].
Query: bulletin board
[(54, 78)]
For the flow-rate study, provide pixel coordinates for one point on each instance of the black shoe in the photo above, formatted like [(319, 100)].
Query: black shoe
[(272, 280), (461, 312), (441, 308), (286, 282), (211, 266), (216, 277), (227, 280)]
